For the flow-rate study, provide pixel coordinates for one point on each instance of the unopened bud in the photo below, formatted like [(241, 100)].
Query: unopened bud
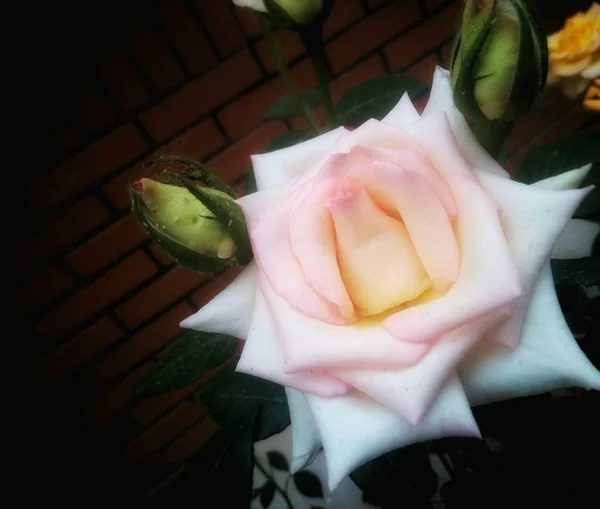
[(499, 64), (294, 12)]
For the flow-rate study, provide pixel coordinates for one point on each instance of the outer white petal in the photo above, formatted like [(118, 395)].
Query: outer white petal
[(403, 113), (547, 358), (576, 240), (306, 442), (533, 219), (257, 5), (263, 357), (230, 312), (567, 180), (282, 167), (441, 99), (355, 428)]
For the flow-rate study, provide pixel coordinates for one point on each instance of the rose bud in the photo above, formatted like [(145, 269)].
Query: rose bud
[(499, 64), (290, 13), (199, 227)]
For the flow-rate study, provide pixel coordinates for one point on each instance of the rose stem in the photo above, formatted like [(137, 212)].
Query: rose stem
[(283, 71)]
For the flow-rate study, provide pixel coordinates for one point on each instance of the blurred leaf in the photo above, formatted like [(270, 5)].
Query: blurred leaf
[(568, 154), (285, 107), (191, 356), (581, 271), (278, 461), (251, 182), (308, 484), (375, 98), (288, 139), (274, 418), (267, 493)]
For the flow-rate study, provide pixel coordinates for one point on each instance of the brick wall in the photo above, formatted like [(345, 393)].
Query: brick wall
[(98, 301)]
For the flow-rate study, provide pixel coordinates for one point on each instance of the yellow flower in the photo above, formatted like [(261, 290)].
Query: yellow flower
[(592, 97), (574, 52)]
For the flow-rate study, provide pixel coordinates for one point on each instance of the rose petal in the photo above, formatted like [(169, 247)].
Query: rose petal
[(262, 356), (409, 392), (403, 113), (423, 214), (441, 98), (312, 239), (376, 257), (567, 180), (306, 442), (488, 279), (532, 218), (230, 312), (547, 357), (576, 240), (355, 429), (314, 344), (269, 236), (282, 167)]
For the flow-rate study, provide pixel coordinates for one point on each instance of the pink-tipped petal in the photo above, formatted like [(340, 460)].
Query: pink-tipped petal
[(377, 259), (488, 279), (312, 239), (262, 357)]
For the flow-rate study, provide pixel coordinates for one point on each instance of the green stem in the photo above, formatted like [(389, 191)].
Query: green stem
[(491, 136), (277, 487), (313, 41), (285, 74)]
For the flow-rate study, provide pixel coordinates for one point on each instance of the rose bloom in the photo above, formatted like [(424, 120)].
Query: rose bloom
[(574, 52), (400, 276)]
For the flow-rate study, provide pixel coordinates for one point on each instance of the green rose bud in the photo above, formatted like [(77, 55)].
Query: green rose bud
[(297, 13), (200, 227), (499, 65)]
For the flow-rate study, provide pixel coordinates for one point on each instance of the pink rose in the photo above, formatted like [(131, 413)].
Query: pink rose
[(383, 257)]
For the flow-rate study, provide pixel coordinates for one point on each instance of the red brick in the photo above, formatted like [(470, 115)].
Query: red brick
[(431, 5), (234, 163), (122, 81), (241, 116), (424, 69), (201, 96), (78, 351), (446, 55), (163, 489), (61, 232), (41, 290), (152, 55), (343, 14), (371, 33), (289, 44), (423, 39), (99, 160), (527, 128), (95, 111), (198, 142), (65, 139), (191, 441), (170, 287), (164, 259), (203, 295), (366, 70), (163, 431), (375, 3), (140, 346), (104, 290), (112, 243), (113, 399), (248, 20), (121, 429), (217, 15), (187, 37)]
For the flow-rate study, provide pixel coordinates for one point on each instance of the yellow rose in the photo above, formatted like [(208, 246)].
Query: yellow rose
[(591, 101), (574, 52)]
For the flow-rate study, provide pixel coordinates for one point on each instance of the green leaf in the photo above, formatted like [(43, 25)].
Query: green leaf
[(375, 98), (308, 484), (285, 107), (230, 215), (191, 356), (180, 252), (267, 493), (288, 139), (559, 157), (278, 460), (233, 398), (581, 271), (195, 170)]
